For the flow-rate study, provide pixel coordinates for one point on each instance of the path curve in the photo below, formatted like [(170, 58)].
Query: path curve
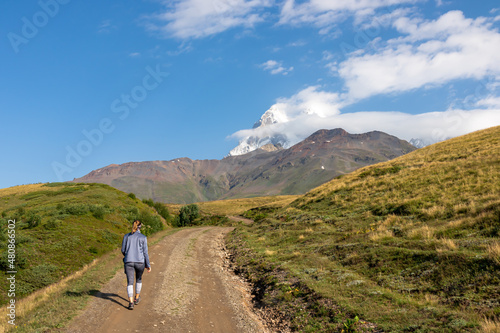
[(188, 290)]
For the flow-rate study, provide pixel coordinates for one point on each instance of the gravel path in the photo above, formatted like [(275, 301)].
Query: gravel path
[(188, 290)]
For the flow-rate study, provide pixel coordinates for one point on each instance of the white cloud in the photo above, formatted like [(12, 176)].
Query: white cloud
[(275, 67), (489, 102), (201, 18), (312, 109), (310, 101), (431, 53), (325, 14)]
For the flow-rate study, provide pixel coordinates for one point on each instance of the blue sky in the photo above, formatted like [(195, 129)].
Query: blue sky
[(84, 84)]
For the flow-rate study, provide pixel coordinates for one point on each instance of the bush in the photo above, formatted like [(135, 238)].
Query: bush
[(160, 208), (40, 276), (20, 261), (188, 215), (52, 224), (98, 211), (77, 209), (32, 220), (151, 223), (132, 196), (148, 202)]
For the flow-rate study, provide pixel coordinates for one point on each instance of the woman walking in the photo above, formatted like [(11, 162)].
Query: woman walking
[(136, 259)]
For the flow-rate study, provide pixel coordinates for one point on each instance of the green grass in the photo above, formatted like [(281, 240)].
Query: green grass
[(409, 245), (61, 227), (53, 310)]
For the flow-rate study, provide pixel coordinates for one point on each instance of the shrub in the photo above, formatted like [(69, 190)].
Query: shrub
[(40, 276), (98, 211), (132, 196), (32, 220), (162, 210), (77, 209), (20, 262), (151, 223), (93, 250), (52, 224), (188, 215), (148, 202)]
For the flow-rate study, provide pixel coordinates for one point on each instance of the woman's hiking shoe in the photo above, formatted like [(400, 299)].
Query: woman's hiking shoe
[(130, 306), (137, 300)]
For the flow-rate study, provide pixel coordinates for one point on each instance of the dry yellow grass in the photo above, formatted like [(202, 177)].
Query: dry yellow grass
[(490, 326), (493, 251), (378, 235), (424, 232), (20, 190), (431, 299), (237, 206), (448, 244)]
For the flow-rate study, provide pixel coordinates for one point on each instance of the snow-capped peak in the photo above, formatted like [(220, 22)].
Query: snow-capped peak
[(250, 143), (272, 116), (419, 143)]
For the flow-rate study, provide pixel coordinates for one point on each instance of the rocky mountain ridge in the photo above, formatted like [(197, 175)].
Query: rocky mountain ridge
[(270, 170)]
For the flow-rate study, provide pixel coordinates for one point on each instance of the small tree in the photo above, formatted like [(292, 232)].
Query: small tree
[(187, 215)]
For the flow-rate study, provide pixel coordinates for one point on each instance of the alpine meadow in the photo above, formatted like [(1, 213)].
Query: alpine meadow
[(411, 245)]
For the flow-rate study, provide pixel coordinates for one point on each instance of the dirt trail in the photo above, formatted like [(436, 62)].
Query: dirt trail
[(188, 290)]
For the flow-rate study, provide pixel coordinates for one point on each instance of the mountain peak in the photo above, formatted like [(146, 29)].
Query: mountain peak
[(272, 116), (326, 134), (250, 143)]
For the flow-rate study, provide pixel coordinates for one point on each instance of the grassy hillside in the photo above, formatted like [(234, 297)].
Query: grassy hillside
[(237, 206), (410, 245), (61, 227)]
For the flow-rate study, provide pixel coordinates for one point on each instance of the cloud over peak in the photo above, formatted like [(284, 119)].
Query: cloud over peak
[(312, 109)]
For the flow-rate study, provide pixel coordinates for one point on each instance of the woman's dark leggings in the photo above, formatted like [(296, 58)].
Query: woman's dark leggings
[(132, 268)]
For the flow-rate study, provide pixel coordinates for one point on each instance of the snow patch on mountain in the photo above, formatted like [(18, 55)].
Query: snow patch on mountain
[(420, 143), (250, 143)]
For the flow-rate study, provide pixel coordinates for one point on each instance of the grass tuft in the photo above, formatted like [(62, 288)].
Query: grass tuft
[(493, 251), (490, 326)]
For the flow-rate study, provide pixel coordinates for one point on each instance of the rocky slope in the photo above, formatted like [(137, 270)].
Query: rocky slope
[(270, 171)]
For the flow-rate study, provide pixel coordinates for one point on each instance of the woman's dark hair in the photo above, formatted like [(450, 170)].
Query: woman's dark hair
[(137, 225)]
